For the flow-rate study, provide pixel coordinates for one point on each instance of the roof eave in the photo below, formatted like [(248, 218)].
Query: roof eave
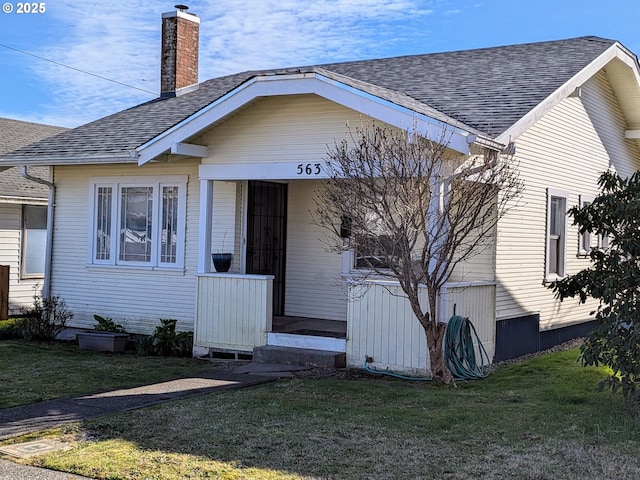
[(12, 199), (106, 158)]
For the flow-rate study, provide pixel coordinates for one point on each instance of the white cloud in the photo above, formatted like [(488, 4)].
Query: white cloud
[(121, 41)]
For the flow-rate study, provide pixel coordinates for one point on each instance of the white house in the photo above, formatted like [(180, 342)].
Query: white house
[(145, 196), (23, 215)]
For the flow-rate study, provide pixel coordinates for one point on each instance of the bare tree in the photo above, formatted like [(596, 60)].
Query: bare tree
[(412, 211)]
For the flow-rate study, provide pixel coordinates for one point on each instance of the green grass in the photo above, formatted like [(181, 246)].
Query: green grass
[(539, 419), (32, 372)]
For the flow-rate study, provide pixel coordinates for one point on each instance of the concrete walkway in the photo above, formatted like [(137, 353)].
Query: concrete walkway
[(31, 418)]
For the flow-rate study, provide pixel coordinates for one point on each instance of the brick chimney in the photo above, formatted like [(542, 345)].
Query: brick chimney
[(179, 61)]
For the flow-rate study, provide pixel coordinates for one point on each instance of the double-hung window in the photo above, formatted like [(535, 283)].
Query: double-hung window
[(138, 222), (585, 241), (556, 233), (34, 241), (374, 247)]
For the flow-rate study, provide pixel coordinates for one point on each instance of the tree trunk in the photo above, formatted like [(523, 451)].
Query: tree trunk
[(435, 337)]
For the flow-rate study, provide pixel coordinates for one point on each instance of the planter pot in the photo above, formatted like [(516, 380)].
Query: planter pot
[(102, 341), (221, 261)]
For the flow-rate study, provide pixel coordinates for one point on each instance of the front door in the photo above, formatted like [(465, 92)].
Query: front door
[(266, 235)]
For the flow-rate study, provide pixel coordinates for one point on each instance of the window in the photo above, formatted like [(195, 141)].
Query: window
[(138, 222), (556, 233), (372, 251), (603, 242), (34, 241), (374, 247), (585, 242)]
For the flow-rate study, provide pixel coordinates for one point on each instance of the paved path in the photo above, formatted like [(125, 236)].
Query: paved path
[(15, 471), (40, 416)]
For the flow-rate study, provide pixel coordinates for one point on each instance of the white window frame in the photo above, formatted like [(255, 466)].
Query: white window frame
[(562, 253), (26, 245), (585, 237), (603, 242), (157, 183)]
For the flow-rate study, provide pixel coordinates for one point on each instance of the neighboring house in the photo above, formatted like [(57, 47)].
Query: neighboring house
[(23, 214), (145, 196)]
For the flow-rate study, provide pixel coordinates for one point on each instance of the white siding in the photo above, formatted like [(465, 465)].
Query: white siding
[(476, 302), (314, 287), (136, 298), (280, 129), (381, 324), (567, 149), (225, 223), (21, 290), (608, 122), (234, 311)]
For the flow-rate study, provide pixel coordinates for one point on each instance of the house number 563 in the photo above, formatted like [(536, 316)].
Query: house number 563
[(309, 169)]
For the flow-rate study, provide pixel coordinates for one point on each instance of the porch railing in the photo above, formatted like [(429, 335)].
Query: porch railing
[(233, 311), (381, 324)]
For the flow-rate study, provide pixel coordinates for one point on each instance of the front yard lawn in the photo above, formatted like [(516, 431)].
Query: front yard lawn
[(541, 418), (32, 372)]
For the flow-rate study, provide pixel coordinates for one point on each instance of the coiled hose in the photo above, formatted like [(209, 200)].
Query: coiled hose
[(459, 353)]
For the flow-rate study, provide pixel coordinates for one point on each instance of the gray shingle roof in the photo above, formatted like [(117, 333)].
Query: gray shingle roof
[(17, 134), (486, 90)]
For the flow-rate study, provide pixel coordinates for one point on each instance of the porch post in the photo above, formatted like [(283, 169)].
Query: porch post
[(204, 237)]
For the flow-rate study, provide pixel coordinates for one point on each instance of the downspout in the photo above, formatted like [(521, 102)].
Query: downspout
[(46, 287)]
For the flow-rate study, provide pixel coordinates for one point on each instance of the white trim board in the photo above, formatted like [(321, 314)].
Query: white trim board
[(327, 344)]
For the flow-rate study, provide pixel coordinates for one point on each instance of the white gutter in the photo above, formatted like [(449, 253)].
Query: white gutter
[(46, 287), (120, 157)]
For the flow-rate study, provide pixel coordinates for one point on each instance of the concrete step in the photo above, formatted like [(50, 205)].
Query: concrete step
[(277, 370), (299, 356)]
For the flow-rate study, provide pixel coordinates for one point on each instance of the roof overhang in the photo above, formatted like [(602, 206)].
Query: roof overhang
[(458, 139), (624, 75), (23, 200), (93, 159)]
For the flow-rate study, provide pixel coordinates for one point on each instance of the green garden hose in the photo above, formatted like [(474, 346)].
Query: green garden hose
[(459, 352)]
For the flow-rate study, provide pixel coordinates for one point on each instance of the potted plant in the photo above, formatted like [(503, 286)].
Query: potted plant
[(107, 336), (222, 261)]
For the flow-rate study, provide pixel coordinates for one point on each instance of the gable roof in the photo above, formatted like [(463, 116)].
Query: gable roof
[(484, 93), (15, 134)]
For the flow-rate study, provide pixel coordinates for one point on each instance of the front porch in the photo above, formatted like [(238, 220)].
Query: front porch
[(306, 302), (282, 286), (234, 313)]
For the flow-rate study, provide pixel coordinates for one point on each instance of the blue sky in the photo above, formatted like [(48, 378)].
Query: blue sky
[(120, 40)]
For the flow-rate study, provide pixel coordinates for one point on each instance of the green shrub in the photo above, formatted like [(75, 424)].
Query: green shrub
[(9, 329), (45, 319), (167, 342), (106, 324), (143, 344)]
